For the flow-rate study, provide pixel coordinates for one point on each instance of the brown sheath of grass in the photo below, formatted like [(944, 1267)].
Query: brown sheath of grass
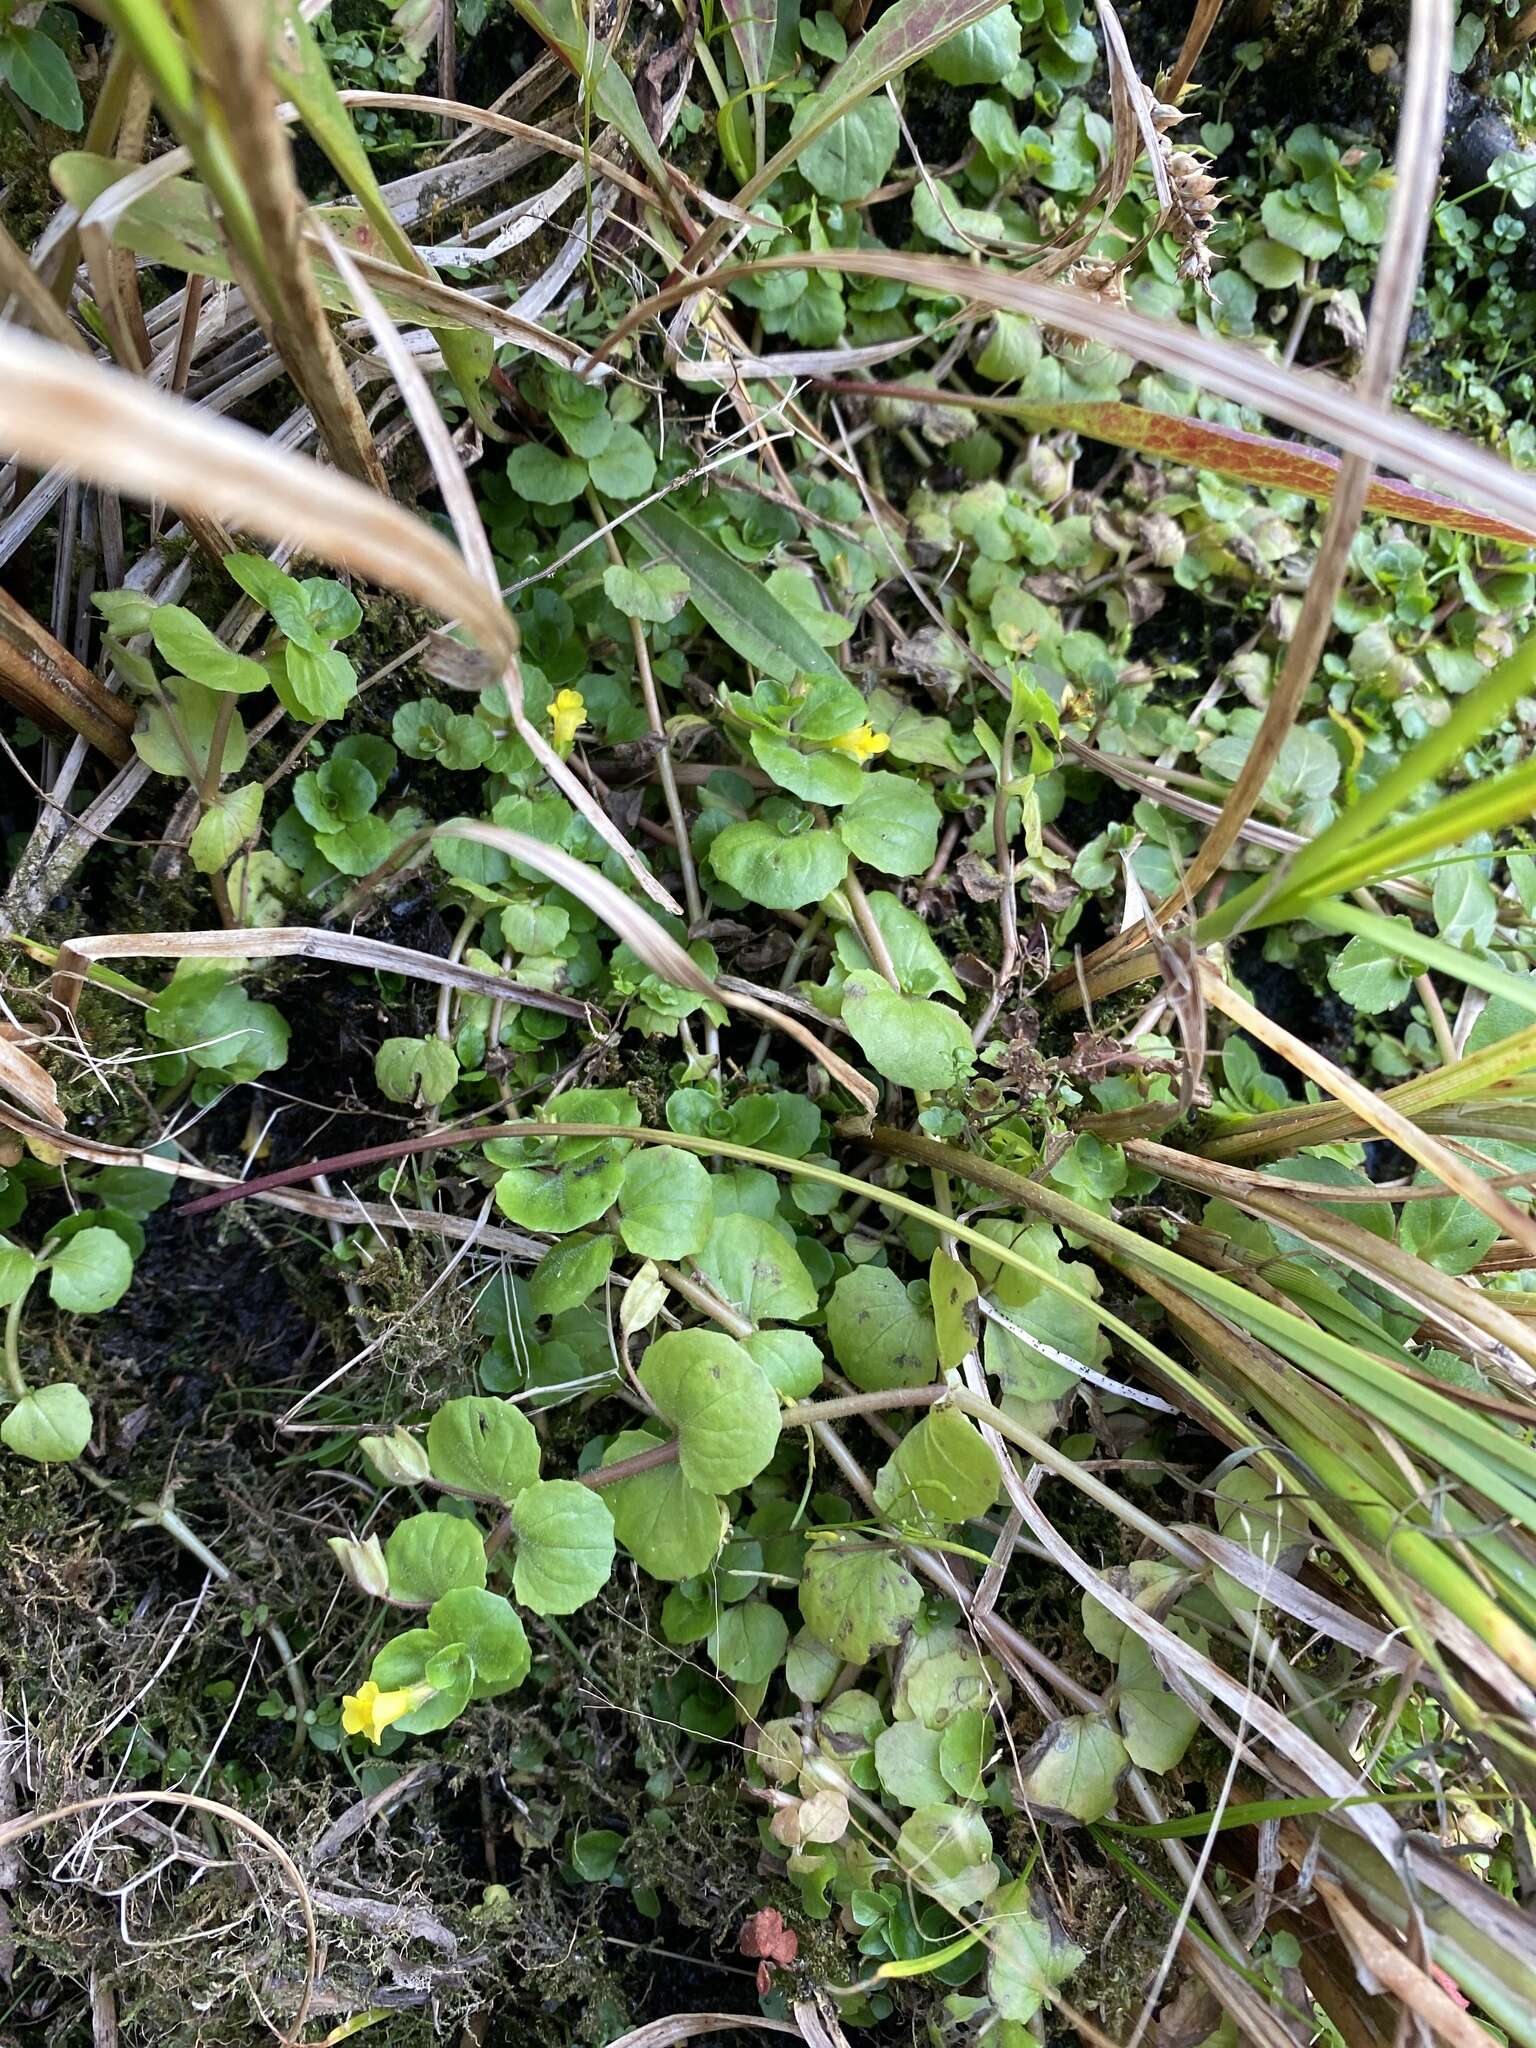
[(1380, 1959), (233, 42), (1420, 128), (291, 942), (39, 308), (190, 1802), (652, 944), (113, 272), (1313, 403), (1474, 1319), (476, 551), (42, 679), (57, 407), (1383, 1119), (1498, 1070)]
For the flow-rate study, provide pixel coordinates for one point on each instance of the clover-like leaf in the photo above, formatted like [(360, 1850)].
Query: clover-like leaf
[(564, 1536), (724, 1411), (483, 1447)]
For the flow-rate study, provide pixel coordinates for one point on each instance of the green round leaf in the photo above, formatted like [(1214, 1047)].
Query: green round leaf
[(569, 1274), (625, 467), (947, 1852), (1028, 1955), (965, 1744), (790, 1361), (1272, 264), (564, 1535), (1156, 1724), (892, 824), (942, 1471), (778, 870), (183, 640), (50, 1425), (404, 1660), (672, 1529), (749, 1641), (757, 1270), (543, 477), (915, 1041), (724, 1411), (907, 1760), (666, 1205), (432, 1554), (90, 1272), (849, 159), (561, 1195), (416, 1070), (879, 1337), (858, 1597), (982, 54), (1073, 1770), (484, 1447), (490, 1629)]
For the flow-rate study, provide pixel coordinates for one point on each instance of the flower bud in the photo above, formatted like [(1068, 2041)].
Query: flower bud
[(362, 1563), (398, 1459)]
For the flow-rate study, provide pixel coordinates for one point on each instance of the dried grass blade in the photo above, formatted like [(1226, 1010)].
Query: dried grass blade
[(233, 36), (58, 408), (1477, 1321), (1394, 1970), (29, 1084), (688, 2026), (651, 943), (1386, 1121), (1418, 159), (476, 551), (291, 942), (1308, 401), (19, 280)]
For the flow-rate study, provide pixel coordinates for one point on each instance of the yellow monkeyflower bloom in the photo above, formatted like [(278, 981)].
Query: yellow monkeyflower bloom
[(567, 715), (863, 742), (369, 1712)]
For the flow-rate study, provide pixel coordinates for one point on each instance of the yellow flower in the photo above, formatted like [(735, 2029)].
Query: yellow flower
[(567, 715), (369, 1712), (863, 742)]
